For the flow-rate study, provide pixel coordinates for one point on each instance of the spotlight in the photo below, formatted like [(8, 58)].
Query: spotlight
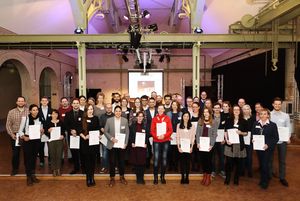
[(158, 51), (146, 14), (168, 58), (100, 15), (153, 27), (124, 57), (125, 17), (198, 30), (78, 30), (161, 58), (135, 38)]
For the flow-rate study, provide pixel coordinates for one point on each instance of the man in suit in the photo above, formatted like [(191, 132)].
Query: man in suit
[(45, 118), (116, 125), (73, 126)]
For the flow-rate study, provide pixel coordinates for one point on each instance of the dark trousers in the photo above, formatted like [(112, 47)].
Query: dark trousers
[(232, 163), (15, 155), (75, 157), (139, 171), (218, 153), (206, 161), (149, 154), (281, 149), (173, 157), (55, 151), (248, 159), (185, 160), (89, 163), (160, 150), (41, 152), (116, 157), (195, 158), (264, 158), (30, 149)]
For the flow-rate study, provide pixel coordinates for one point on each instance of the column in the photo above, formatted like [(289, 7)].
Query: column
[(196, 69), (81, 68)]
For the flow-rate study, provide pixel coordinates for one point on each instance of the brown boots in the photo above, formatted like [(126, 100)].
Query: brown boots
[(206, 181)]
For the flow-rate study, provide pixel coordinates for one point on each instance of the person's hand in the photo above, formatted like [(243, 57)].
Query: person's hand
[(13, 136), (180, 150), (86, 137), (223, 142), (145, 146), (114, 140), (191, 149), (161, 137), (42, 131), (239, 132), (124, 146), (210, 147), (26, 138), (132, 144), (61, 137), (49, 130), (265, 147), (289, 141), (198, 146), (228, 142)]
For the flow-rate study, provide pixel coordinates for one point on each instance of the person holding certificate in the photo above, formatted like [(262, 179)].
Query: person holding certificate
[(125, 108), (185, 137), (89, 123), (138, 141), (235, 128), (268, 129), (161, 131), (173, 156), (56, 134), (117, 132), (30, 131), (136, 108), (207, 129), (282, 121)]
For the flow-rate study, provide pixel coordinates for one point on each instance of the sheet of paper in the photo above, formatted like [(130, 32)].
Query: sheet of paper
[(44, 138), (103, 140), (284, 134), (140, 139), (173, 139), (17, 140), (94, 137), (233, 137), (185, 145), (247, 138), (258, 142), (220, 136), (121, 140), (204, 144), (161, 128), (34, 132), (195, 123), (74, 142), (55, 134)]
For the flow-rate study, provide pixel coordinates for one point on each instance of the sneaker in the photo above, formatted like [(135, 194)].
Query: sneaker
[(222, 174), (213, 174), (103, 171)]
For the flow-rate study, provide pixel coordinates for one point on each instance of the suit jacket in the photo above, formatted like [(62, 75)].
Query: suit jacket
[(109, 130), (212, 133), (148, 118), (45, 120), (71, 123)]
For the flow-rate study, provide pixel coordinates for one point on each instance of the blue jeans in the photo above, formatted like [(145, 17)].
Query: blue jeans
[(160, 150), (105, 157)]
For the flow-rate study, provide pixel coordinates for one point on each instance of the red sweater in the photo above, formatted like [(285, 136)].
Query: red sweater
[(159, 119)]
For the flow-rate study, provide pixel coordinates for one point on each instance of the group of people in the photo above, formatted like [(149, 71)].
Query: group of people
[(158, 129)]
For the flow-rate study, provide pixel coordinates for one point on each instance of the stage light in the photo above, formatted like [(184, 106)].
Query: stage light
[(125, 58), (78, 30), (153, 27), (100, 15), (125, 17), (146, 14), (198, 30), (161, 58)]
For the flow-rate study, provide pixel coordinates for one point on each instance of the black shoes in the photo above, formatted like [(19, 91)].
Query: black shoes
[(155, 181), (163, 180), (73, 172), (284, 182), (14, 172)]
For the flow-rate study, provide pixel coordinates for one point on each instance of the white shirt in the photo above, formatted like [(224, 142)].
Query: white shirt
[(281, 119), (152, 112), (117, 125), (45, 111)]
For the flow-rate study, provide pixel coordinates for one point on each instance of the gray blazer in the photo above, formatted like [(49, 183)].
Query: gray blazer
[(212, 133), (109, 130)]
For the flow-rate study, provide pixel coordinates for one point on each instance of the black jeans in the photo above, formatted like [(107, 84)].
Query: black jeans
[(185, 160), (15, 155), (41, 152), (230, 164), (116, 157), (75, 157), (264, 158), (173, 157), (218, 152), (160, 150), (89, 163), (206, 161), (30, 149)]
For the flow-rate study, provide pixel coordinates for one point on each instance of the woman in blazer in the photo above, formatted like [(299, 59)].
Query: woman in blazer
[(138, 154), (206, 128), (56, 147), (89, 153), (235, 153), (269, 129), (30, 146), (116, 124), (185, 130)]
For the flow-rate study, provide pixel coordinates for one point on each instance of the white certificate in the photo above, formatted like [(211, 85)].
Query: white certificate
[(17, 140), (94, 137), (121, 140), (195, 123), (140, 139), (55, 133), (44, 138), (233, 137), (284, 134), (34, 132), (247, 138), (173, 139), (103, 140), (185, 145), (161, 128), (258, 142), (74, 142), (204, 144), (220, 136)]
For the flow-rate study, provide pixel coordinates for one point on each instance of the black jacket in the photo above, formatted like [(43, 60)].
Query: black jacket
[(71, 123)]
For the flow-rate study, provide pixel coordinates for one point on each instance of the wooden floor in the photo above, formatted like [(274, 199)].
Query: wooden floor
[(73, 187)]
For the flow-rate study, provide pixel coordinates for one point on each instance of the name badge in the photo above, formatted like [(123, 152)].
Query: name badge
[(208, 126), (257, 127), (223, 122), (122, 127), (186, 130), (179, 118), (126, 112), (143, 131), (134, 114), (49, 115), (63, 115), (79, 118), (236, 125), (89, 121)]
